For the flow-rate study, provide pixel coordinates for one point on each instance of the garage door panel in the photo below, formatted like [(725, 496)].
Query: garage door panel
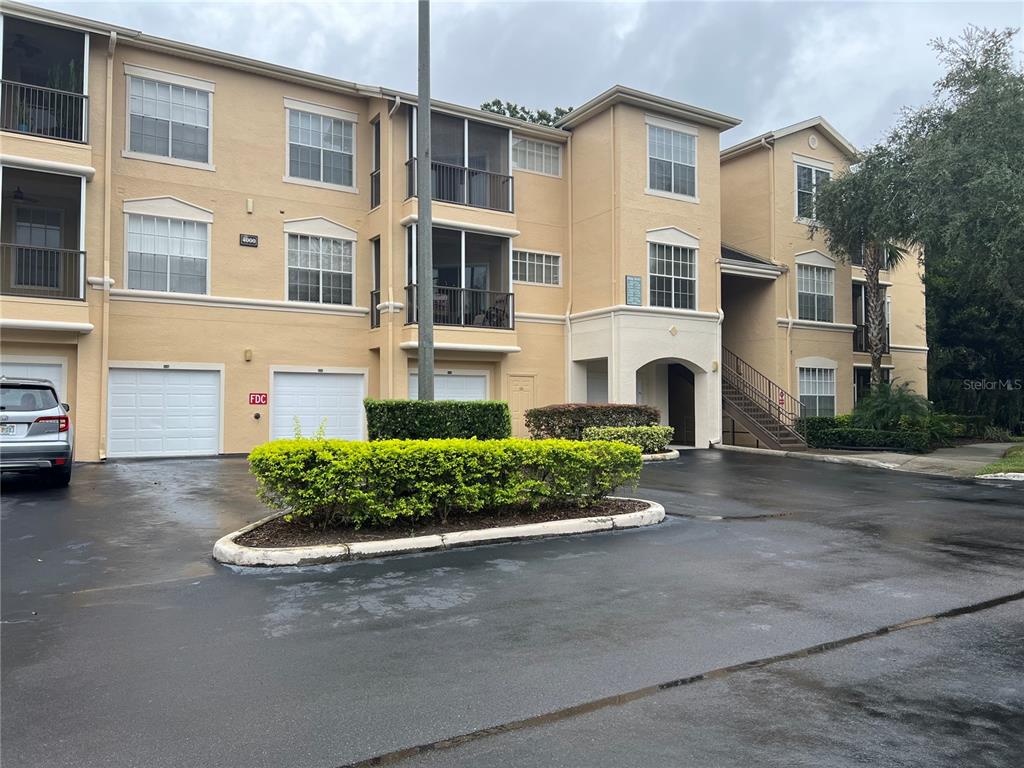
[(453, 386), (163, 412), (334, 399), (50, 371)]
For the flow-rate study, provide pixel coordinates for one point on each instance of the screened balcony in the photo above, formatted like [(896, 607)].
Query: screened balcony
[(40, 247), (471, 280), (469, 163), (44, 87)]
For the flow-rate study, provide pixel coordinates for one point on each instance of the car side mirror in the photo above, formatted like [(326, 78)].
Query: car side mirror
[(66, 407)]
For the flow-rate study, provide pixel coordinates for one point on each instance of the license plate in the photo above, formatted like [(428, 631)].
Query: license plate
[(6, 429)]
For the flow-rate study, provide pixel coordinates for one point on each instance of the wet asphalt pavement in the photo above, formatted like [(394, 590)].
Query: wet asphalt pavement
[(124, 644)]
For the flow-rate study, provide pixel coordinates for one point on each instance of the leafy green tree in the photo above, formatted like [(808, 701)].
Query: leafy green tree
[(962, 156), (538, 116), (864, 212)]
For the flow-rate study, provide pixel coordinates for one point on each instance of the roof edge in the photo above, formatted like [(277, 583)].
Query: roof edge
[(620, 94)]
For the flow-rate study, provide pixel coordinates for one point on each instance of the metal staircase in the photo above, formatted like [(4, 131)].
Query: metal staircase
[(765, 409)]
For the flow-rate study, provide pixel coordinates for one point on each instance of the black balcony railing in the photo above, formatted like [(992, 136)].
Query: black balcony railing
[(43, 272), (374, 311), (467, 307), (860, 340), (374, 188), (44, 112), (466, 186)]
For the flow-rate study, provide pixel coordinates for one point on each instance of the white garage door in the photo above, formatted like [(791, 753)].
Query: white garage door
[(332, 399), (51, 371), (453, 386), (158, 412)]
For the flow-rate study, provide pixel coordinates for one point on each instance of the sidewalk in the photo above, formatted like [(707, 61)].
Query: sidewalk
[(961, 461)]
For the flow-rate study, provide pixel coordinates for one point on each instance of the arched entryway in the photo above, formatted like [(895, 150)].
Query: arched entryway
[(670, 385)]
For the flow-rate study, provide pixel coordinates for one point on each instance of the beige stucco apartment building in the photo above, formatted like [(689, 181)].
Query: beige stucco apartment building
[(202, 250)]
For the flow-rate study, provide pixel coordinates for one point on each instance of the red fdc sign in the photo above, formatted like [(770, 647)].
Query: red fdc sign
[(257, 398)]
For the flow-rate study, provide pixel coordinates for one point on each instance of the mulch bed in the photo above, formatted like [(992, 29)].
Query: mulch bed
[(278, 533)]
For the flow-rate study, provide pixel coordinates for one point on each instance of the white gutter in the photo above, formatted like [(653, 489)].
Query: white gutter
[(50, 166)]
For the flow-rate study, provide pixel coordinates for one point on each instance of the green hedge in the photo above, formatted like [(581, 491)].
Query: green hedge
[(568, 420), (913, 441), (812, 426), (647, 439), (331, 482), (422, 419)]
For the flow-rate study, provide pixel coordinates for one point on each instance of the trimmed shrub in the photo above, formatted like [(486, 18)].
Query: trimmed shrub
[(812, 426), (647, 439), (333, 482), (912, 441), (422, 419), (567, 421)]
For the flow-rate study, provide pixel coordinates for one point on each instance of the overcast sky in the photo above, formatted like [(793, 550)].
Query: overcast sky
[(770, 64)]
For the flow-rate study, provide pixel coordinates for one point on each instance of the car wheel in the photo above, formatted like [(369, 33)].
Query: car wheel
[(59, 478)]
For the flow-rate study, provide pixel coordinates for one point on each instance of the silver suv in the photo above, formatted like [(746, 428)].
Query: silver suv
[(35, 432)]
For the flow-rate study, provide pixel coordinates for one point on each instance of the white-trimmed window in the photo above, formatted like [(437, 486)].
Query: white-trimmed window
[(537, 156), (538, 268), (818, 391), (321, 148), (808, 181), (815, 293), (671, 160), (320, 269), (167, 254), (672, 276), (166, 119)]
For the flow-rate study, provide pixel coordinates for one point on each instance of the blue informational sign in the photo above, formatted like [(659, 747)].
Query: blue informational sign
[(634, 291)]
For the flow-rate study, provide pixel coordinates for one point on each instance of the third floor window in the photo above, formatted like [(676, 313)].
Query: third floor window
[(671, 160), (168, 120), (321, 148), (808, 181), (815, 293)]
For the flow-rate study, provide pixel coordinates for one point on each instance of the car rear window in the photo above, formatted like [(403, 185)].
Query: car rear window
[(19, 398)]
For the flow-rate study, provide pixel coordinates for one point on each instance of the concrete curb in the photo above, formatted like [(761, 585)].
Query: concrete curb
[(1015, 476), (228, 552), (810, 456), (668, 455)]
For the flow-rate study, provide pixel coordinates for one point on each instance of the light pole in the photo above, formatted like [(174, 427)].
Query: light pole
[(424, 225)]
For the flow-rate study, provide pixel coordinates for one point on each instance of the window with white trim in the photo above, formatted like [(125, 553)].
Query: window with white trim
[(321, 148), (539, 268), (672, 276), (537, 156), (672, 161), (320, 269), (167, 254), (808, 181), (815, 293), (818, 391), (168, 120)]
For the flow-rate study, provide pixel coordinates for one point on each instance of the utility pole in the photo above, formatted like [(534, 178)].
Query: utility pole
[(424, 224)]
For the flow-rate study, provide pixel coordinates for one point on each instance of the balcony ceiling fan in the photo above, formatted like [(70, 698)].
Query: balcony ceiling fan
[(20, 197)]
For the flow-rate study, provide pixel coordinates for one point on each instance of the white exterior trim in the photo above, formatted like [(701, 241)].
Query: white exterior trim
[(49, 166), (628, 309), (203, 300), (320, 109), (749, 269), (813, 162), (817, 362), (532, 317), (816, 259), (465, 226), (672, 125), (673, 236), (172, 78), (45, 325), (906, 348), (452, 347), (168, 208), (318, 226), (868, 365), (816, 325)]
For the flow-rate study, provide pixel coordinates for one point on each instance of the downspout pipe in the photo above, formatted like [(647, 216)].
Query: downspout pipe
[(772, 249), (107, 173)]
